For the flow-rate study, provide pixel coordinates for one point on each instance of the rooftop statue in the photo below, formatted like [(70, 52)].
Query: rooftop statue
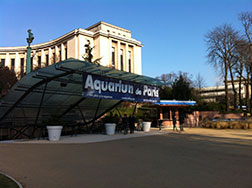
[(88, 56), (30, 37)]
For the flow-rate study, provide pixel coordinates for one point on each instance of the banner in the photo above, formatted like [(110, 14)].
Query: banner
[(110, 88)]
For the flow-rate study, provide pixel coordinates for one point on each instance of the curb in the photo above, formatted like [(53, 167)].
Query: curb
[(19, 184)]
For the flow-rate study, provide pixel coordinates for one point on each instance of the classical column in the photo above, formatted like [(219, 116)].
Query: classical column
[(50, 56), (118, 55), (135, 59), (7, 61), (127, 57), (43, 58), (56, 54), (35, 60), (62, 49), (17, 63)]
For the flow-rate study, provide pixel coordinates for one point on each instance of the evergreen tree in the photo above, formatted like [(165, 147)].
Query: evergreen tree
[(7, 80), (181, 89)]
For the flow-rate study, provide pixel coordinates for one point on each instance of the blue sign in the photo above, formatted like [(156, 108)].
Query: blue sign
[(110, 88)]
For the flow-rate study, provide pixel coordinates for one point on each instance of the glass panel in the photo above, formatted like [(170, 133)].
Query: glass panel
[(64, 89)]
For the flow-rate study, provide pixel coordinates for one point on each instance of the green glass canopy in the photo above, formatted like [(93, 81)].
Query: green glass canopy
[(57, 90)]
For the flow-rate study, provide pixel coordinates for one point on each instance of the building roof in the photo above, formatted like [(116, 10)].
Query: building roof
[(107, 24), (57, 90), (176, 103)]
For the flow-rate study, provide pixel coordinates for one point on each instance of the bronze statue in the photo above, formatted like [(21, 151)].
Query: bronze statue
[(30, 37), (88, 56)]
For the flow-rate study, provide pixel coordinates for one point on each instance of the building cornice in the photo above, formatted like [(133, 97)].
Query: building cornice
[(107, 24), (117, 37), (49, 44), (71, 34)]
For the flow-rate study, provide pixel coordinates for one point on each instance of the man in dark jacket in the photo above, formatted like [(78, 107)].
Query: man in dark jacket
[(125, 122), (131, 124), (174, 120)]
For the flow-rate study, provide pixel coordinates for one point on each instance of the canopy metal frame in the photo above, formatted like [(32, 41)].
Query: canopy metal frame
[(39, 86)]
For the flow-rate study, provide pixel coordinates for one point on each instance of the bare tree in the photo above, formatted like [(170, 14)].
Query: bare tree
[(242, 69), (246, 20), (199, 82), (168, 78), (221, 43)]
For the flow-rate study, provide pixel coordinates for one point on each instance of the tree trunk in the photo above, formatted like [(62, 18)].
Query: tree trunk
[(247, 90), (240, 97), (250, 102), (240, 84), (233, 86), (226, 87), (247, 96)]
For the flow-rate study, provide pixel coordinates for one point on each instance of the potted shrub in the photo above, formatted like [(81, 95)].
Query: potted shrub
[(54, 127), (110, 124), (146, 123)]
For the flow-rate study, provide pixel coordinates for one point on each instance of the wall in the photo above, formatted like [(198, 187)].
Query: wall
[(216, 114), (193, 120), (137, 60), (72, 48)]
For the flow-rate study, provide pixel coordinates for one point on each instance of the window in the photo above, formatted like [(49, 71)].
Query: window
[(60, 55), (3, 62), (39, 61), (113, 57), (54, 58), (121, 59), (12, 65), (65, 53), (31, 64), (47, 60), (129, 61), (21, 67)]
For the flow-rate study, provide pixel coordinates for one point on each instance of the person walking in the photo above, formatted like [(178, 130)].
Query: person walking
[(181, 122), (131, 123), (125, 122), (174, 120)]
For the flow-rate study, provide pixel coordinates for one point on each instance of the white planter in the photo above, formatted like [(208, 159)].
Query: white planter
[(146, 126), (110, 128), (54, 132)]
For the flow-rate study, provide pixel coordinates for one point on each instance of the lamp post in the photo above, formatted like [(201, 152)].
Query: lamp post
[(28, 57)]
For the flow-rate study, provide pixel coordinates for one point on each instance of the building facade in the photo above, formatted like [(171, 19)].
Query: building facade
[(215, 94), (111, 43)]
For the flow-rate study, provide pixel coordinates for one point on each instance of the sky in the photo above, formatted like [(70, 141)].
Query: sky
[(172, 31)]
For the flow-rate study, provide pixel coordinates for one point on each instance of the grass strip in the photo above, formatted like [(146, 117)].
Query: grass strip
[(7, 182)]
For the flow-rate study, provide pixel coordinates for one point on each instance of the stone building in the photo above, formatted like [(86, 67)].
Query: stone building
[(111, 43)]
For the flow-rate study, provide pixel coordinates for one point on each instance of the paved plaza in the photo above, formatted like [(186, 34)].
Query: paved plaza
[(195, 158)]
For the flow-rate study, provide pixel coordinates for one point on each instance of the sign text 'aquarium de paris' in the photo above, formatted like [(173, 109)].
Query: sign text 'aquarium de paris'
[(110, 88)]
